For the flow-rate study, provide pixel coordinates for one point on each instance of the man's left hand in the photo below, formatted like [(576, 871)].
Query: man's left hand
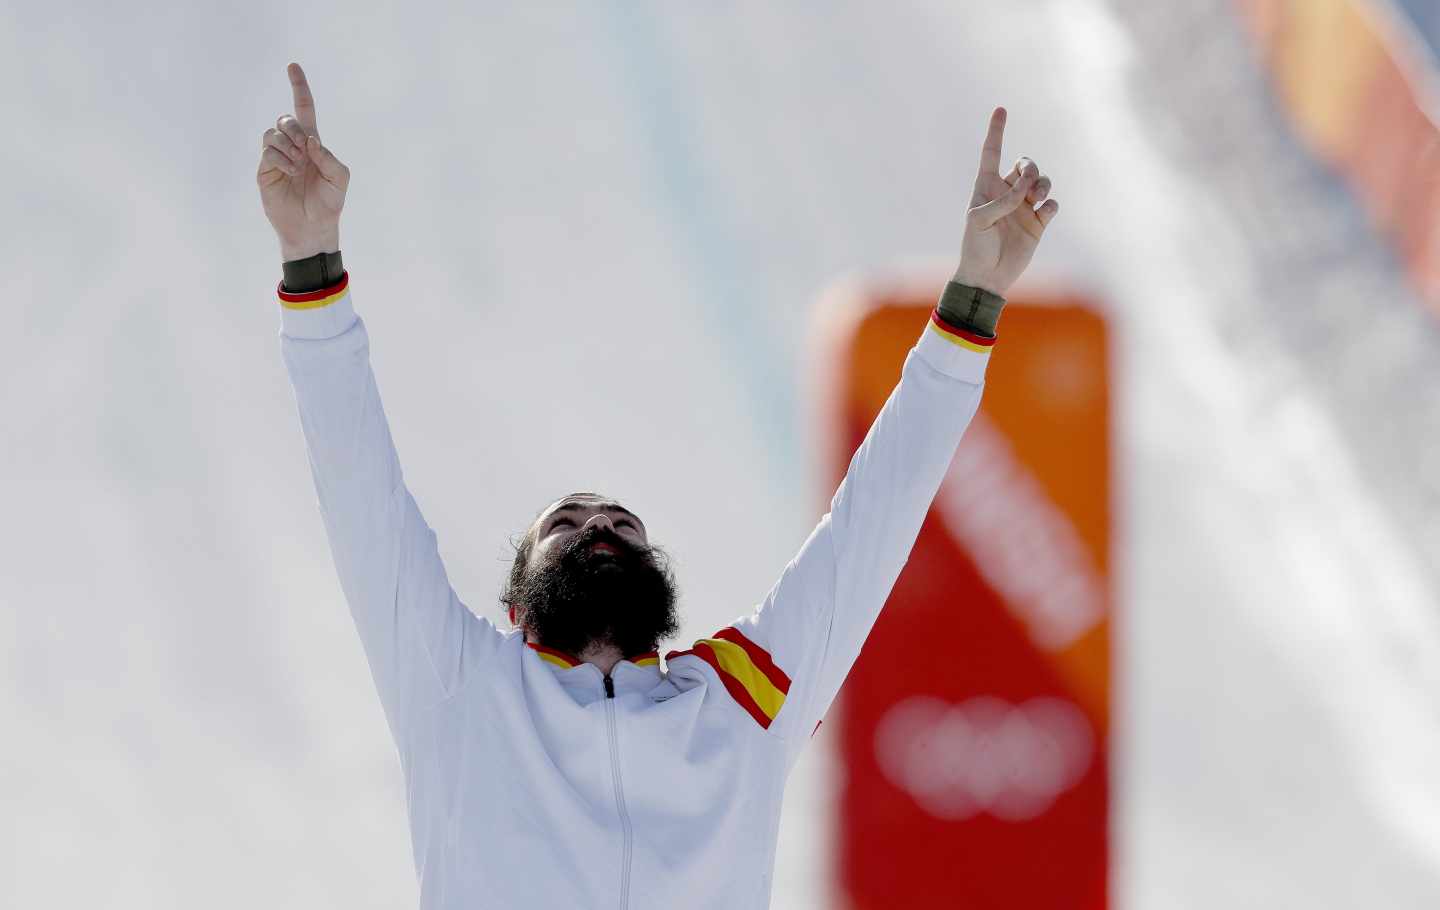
[(1003, 225)]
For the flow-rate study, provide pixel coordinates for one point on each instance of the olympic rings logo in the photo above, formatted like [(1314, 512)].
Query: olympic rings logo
[(984, 754)]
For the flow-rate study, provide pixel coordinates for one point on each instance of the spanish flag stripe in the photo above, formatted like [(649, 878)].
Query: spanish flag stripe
[(958, 336), (737, 663), (963, 332), (311, 300), (737, 689), (555, 656), (557, 661), (758, 656)]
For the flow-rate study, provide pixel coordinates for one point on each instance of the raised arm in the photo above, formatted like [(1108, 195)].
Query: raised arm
[(808, 631), (418, 636)]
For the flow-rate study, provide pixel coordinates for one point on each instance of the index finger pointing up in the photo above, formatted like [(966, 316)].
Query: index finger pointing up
[(304, 103), (990, 154)]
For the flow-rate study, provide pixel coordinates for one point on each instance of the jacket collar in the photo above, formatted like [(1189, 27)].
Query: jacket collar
[(629, 672)]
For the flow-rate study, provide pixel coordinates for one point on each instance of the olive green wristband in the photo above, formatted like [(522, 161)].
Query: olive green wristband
[(312, 273), (974, 309)]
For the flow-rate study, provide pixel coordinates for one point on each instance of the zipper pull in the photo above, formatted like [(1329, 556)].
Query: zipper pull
[(609, 687)]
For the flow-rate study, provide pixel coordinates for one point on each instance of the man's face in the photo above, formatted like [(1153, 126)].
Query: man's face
[(593, 578), (570, 516)]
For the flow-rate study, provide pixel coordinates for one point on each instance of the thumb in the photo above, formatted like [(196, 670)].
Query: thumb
[(330, 167), (986, 215)]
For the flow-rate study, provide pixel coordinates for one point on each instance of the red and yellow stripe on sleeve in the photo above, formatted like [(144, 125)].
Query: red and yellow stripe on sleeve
[(747, 671), (314, 300), (958, 336)]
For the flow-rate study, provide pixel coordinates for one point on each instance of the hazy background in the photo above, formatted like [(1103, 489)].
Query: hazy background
[(587, 239)]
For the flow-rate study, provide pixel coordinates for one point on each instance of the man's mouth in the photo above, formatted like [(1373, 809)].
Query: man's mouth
[(603, 547)]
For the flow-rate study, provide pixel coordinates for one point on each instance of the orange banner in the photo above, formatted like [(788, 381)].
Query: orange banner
[(977, 776)]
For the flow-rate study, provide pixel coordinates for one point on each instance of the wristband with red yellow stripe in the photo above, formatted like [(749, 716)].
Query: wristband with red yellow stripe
[(957, 351), (973, 309), (322, 313)]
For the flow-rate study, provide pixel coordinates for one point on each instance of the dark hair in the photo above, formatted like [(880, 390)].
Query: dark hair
[(517, 568)]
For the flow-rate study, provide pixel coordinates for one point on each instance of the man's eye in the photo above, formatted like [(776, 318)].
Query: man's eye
[(561, 521)]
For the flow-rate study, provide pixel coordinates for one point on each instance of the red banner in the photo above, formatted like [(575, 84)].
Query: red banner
[(973, 728)]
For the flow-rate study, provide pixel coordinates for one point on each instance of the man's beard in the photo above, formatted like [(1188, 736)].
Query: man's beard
[(578, 598)]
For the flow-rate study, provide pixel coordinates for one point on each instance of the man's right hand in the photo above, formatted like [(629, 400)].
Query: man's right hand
[(302, 185)]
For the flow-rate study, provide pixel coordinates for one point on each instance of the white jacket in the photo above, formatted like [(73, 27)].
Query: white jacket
[(527, 783)]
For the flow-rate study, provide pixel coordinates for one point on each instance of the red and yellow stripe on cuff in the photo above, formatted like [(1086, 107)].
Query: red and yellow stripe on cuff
[(313, 300), (747, 671), (958, 336)]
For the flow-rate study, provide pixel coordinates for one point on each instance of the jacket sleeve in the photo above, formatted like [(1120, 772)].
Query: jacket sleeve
[(417, 635), (785, 662)]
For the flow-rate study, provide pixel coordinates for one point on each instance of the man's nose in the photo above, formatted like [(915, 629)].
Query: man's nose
[(600, 521)]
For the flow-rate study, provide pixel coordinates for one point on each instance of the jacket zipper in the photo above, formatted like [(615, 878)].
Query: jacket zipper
[(619, 791)]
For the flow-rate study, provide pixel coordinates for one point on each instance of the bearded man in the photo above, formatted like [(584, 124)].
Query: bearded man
[(559, 763)]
